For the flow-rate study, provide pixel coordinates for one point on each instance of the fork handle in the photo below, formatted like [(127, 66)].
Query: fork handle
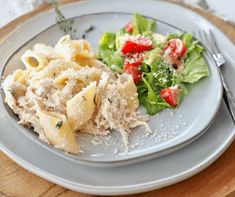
[(229, 98)]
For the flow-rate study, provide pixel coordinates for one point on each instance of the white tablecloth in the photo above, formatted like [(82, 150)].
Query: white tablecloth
[(11, 9)]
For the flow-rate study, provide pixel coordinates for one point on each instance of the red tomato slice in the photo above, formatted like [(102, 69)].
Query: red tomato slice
[(129, 27), (170, 95), (175, 50), (177, 47), (142, 44), (134, 71)]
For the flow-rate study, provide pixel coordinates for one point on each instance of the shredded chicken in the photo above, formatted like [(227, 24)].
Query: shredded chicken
[(112, 113)]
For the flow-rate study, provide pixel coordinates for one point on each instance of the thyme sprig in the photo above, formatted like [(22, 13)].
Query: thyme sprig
[(65, 25)]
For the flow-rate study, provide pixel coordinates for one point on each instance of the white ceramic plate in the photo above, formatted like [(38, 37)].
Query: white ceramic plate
[(172, 129), (139, 177)]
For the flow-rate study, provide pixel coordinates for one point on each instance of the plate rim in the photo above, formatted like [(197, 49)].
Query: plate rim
[(130, 189)]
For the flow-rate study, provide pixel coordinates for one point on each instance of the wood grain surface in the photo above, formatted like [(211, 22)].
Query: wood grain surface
[(216, 180)]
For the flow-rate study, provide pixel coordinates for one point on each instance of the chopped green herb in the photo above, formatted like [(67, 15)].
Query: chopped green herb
[(89, 29), (59, 124), (109, 100)]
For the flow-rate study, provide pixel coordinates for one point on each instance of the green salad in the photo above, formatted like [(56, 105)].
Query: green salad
[(162, 66)]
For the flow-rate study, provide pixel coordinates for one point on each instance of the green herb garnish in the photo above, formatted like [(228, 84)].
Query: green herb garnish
[(90, 28), (109, 100), (87, 30), (66, 25), (59, 124)]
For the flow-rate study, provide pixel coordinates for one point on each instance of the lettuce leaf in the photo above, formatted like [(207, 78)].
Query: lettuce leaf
[(142, 25), (107, 52), (156, 77), (111, 58), (195, 68), (107, 41), (149, 98), (163, 75), (153, 56), (187, 38), (119, 36)]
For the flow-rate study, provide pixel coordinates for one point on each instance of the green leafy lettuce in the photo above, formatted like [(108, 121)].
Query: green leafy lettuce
[(142, 25), (156, 73), (107, 52), (195, 66), (149, 97), (156, 77)]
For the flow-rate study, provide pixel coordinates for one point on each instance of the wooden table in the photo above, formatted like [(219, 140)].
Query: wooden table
[(216, 180)]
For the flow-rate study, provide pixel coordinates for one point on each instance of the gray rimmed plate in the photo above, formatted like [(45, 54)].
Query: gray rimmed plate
[(134, 178), (172, 129)]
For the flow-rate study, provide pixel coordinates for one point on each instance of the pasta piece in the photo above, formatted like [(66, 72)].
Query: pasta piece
[(128, 91), (18, 89), (75, 50), (83, 49), (55, 67), (81, 107), (47, 51), (88, 74), (85, 61), (58, 131), (83, 76), (33, 60), (61, 81), (20, 76), (17, 74)]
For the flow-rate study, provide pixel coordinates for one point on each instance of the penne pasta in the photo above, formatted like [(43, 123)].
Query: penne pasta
[(47, 51), (62, 80), (33, 60), (20, 76), (75, 50)]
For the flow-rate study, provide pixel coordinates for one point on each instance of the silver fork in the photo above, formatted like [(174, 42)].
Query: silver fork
[(208, 39)]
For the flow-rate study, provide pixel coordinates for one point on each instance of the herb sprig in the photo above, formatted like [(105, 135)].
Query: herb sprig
[(66, 25)]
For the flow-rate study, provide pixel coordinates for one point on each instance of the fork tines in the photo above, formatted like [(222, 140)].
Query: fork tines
[(207, 38)]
